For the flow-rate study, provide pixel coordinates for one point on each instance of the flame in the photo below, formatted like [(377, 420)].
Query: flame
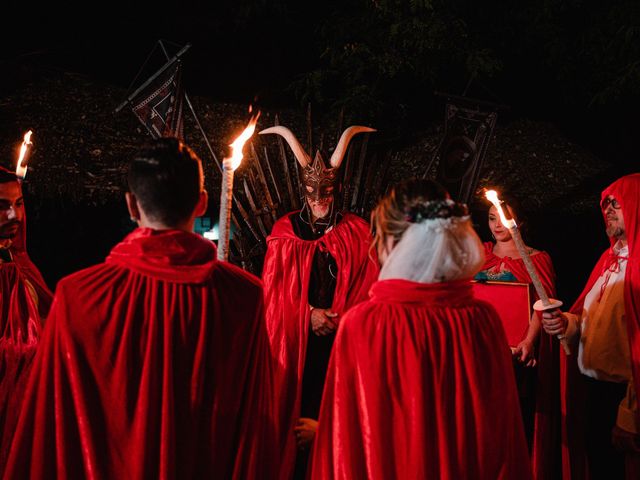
[(492, 196), (21, 166), (238, 143)]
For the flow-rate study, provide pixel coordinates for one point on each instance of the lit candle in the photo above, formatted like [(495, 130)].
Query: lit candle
[(21, 165), (229, 166), (544, 303)]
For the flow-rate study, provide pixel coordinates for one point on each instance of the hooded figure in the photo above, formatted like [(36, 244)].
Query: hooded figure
[(24, 304), (317, 266), (601, 381)]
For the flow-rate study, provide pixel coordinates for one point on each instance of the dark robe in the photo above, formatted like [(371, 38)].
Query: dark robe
[(287, 276), (420, 386), (154, 364), (25, 300), (322, 287)]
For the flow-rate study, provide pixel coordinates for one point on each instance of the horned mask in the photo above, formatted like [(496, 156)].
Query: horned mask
[(319, 180)]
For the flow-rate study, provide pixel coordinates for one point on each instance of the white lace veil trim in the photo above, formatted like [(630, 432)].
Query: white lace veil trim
[(436, 250)]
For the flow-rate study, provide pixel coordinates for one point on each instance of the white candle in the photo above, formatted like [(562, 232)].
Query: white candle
[(229, 166), (226, 200)]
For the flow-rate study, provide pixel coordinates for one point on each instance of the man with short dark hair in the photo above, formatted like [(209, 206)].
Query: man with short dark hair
[(24, 304), (155, 363), (605, 321)]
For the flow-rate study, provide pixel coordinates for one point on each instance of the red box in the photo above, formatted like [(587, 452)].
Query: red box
[(513, 303)]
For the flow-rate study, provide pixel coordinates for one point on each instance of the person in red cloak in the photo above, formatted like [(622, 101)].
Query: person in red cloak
[(537, 375), (602, 380), (155, 363), (24, 304), (420, 383), (317, 266)]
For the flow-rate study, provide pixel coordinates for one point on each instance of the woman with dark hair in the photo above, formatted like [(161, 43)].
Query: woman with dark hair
[(536, 374), (503, 264), (420, 383)]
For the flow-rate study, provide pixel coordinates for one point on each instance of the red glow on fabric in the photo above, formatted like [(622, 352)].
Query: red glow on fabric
[(154, 364), (286, 272), (21, 321), (627, 191), (420, 385)]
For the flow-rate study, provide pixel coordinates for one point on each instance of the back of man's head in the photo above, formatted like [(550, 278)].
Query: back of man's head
[(166, 178)]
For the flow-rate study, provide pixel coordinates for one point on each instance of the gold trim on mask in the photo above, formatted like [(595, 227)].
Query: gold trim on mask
[(319, 178)]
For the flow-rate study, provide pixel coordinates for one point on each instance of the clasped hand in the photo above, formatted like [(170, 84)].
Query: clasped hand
[(323, 321)]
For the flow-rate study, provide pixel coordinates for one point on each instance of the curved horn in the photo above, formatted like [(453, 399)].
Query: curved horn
[(296, 148), (341, 148)]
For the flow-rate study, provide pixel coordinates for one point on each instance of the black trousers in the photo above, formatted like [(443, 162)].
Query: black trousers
[(315, 371), (526, 378), (601, 402)]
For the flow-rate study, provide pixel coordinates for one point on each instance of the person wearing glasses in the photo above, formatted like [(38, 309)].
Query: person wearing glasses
[(604, 329)]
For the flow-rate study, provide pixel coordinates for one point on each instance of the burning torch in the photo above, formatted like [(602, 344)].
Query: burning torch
[(25, 150), (229, 166), (545, 303)]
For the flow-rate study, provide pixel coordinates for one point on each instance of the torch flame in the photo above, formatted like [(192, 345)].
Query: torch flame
[(238, 143), (492, 196), (21, 166)]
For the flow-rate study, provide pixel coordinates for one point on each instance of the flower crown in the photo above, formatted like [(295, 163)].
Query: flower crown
[(435, 209)]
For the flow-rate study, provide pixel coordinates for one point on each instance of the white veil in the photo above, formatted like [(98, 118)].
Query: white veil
[(436, 250)]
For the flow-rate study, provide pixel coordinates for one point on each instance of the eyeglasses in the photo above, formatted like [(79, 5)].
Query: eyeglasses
[(610, 201)]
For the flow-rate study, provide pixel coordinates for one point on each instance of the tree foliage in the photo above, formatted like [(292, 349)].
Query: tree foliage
[(380, 58), (384, 58)]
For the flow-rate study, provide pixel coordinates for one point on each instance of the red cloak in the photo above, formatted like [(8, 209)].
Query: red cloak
[(627, 191), (541, 260), (547, 429), (420, 385), (286, 271), (25, 300), (154, 364)]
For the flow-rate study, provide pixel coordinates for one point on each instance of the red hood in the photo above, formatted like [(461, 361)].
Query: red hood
[(627, 191), (172, 255), (28, 270)]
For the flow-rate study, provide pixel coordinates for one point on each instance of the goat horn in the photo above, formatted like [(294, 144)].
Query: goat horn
[(302, 156), (341, 148)]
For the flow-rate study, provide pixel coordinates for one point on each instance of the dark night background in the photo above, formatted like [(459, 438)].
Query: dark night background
[(571, 64)]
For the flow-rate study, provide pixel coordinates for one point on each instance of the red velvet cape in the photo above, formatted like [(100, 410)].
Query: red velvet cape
[(541, 260), (547, 429), (154, 364), (286, 272), (627, 191), (21, 320), (420, 385)]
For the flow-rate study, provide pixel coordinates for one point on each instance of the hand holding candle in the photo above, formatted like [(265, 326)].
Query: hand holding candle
[(229, 166), (545, 303), (25, 148)]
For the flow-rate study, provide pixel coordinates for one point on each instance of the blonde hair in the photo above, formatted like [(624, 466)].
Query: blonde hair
[(394, 212)]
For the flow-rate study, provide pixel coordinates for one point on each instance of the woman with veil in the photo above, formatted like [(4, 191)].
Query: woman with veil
[(420, 382)]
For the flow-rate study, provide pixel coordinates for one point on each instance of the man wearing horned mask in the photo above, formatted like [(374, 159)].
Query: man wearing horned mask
[(317, 266)]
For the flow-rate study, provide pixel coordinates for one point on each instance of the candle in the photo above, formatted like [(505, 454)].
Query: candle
[(229, 166), (545, 303)]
